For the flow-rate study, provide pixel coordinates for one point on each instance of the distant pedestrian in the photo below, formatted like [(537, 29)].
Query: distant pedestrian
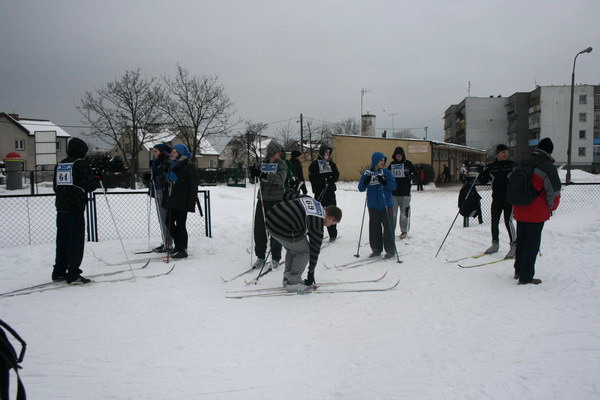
[(379, 184), (323, 174), (404, 173), (446, 173), (73, 180), (531, 217), (420, 179)]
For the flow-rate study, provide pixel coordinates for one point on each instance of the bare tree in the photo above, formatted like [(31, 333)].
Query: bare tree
[(123, 113), (403, 133), (196, 107), (317, 134), (245, 148), (288, 135), (348, 126)]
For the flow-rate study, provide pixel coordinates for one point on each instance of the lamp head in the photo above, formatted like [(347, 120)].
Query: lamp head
[(588, 50)]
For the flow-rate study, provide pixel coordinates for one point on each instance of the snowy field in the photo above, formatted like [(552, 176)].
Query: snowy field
[(443, 333)]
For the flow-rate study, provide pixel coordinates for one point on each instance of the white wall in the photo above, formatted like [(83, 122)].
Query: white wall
[(555, 104)]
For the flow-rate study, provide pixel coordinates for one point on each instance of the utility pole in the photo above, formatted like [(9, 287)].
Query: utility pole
[(426, 132), (301, 135)]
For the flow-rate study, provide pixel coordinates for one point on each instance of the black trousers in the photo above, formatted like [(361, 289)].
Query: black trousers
[(529, 237), (260, 232), (330, 200), (70, 241), (499, 207), (381, 231), (177, 220)]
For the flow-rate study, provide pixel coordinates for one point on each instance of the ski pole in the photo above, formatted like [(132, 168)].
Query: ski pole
[(361, 228), (253, 222), (468, 193), (116, 228)]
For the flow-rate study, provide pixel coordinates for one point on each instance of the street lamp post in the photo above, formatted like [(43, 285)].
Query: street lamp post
[(588, 50)]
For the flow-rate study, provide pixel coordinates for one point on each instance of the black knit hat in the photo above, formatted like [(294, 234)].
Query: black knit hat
[(295, 153), (546, 145), (501, 147)]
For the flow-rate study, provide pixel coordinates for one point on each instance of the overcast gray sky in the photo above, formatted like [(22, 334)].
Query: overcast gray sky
[(278, 58)]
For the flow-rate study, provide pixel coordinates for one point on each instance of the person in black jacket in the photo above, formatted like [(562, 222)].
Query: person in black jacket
[(160, 167), (498, 171), (298, 172), (182, 191), (323, 174), (404, 173), (73, 180)]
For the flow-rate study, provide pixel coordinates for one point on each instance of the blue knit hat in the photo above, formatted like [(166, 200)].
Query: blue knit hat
[(182, 150)]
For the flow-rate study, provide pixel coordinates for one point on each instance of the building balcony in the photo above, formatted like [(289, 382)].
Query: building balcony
[(534, 125), (534, 109)]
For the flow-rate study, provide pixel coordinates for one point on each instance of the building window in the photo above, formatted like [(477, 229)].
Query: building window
[(19, 145), (582, 152), (582, 134), (58, 145), (583, 99), (582, 117), (596, 151)]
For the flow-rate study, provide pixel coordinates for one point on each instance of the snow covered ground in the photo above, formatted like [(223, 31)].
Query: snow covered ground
[(443, 333)]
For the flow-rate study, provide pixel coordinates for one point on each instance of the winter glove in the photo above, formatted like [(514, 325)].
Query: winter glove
[(367, 179), (171, 177), (381, 179), (254, 171), (310, 279), (329, 180), (264, 176)]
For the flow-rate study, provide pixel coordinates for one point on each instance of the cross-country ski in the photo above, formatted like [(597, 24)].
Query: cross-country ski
[(311, 290), (462, 265)]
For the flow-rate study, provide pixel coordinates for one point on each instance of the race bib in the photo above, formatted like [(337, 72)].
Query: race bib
[(374, 176), (312, 207), (64, 174), (268, 168), (398, 170), (324, 167)]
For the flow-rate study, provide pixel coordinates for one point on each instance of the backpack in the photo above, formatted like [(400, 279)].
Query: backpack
[(519, 190), (9, 360)]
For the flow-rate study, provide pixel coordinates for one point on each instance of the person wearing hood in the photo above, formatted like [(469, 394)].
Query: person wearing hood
[(272, 176), (323, 174), (180, 196), (298, 172), (531, 217), (73, 180), (379, 183), (161, 163), (404, 173)]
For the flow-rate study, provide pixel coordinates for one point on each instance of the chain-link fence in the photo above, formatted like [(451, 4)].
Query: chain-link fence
[(31, 219), (572, 197)]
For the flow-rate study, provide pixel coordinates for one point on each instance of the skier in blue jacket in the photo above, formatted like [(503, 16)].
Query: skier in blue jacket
[(379, 183)]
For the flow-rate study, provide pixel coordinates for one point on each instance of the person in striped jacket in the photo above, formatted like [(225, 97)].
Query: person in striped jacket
[(298, 225)]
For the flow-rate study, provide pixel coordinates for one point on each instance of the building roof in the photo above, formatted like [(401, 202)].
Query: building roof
[(206, 149), (435, 142), (33, 125)]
